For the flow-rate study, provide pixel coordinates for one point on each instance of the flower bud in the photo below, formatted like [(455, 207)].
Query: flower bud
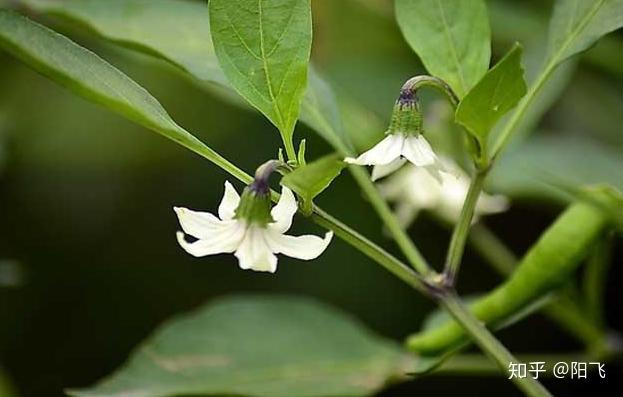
[(255, 201)]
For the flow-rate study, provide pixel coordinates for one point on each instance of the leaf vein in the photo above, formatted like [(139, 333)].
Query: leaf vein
[(575, 32), (276, 107), (282, 34), (239, 36), (451, 43)]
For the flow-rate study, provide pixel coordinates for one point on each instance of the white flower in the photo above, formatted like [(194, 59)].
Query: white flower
[(413, 190), (253, 243), (392, 152)]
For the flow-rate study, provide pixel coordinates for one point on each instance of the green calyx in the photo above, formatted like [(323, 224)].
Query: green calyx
[(255, 201), (406, 116), (254, 206)]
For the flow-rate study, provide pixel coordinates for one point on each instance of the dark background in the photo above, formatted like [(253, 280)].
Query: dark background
[(86, 210)]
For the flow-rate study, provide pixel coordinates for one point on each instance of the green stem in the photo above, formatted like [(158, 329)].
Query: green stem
[(461, 230), (417, 82), (290, 151), (489, 344), (370, 249), (518, 114), (410, 251), (479, 365)]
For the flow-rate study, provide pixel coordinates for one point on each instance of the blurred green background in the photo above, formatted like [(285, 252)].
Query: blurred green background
[(88, 260)]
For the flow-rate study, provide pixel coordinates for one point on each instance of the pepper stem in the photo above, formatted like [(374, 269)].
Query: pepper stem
[(262, 175), (417, 82)]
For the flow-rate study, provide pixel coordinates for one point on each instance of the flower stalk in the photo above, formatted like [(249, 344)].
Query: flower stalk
[(489, 343), (373, 251), (410, 251), (417, 82), (461, 230)]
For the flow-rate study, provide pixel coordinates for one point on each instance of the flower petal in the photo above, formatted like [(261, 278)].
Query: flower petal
[(284, 211), (197, 224), (406, 213), (302, 247), (382, 153), (394, 187), (254, 252), (380, 171), (418, 151), (491, 204), (435, 171), (412, 184), (229, 203), (225, 240)]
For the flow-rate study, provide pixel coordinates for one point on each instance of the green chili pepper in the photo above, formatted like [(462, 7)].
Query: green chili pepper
[(546, 266)]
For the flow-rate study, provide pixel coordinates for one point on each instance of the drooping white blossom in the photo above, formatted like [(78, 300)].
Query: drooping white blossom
[(404, 142), (254, 243), (395, 150), (412, 189)]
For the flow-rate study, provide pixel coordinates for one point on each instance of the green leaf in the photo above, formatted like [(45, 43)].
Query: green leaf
[(577, 24), (320, 111), (452, 38), (310, 180), (178, 31), (155, 27), (256, 346), (264, 48), (497, 93), (91, 77), (535, 168), (427, 364)]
